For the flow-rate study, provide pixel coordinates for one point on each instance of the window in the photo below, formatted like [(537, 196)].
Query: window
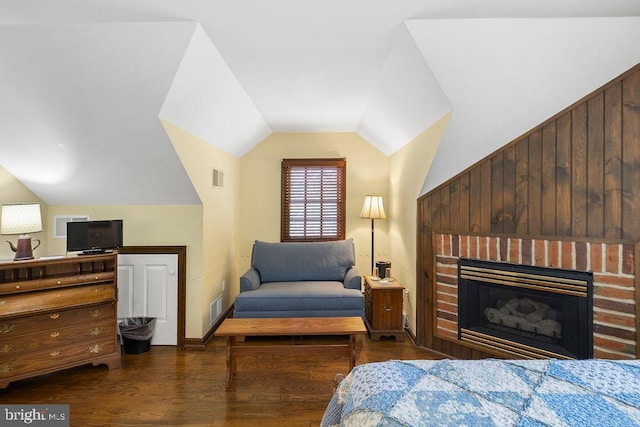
[(313, 199)]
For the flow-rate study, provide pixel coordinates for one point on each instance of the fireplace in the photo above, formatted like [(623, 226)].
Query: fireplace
[(525, 311), (616, 288)]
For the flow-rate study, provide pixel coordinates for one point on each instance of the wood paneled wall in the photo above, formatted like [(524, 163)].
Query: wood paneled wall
[(577, 174)]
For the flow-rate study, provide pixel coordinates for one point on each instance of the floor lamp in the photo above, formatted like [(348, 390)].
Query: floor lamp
[(372, 209)]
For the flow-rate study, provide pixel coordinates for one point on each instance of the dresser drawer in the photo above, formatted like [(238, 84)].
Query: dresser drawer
[(59, 357), (56, 299), (21, 286), (102, 276), (58, 319), (10, 348), (54, 281)]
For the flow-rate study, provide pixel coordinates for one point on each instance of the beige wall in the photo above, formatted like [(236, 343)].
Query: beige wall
[(13, 191), (143, 225), (398, 178), (149, 226), (407, 172), (219, 233), (259, 211), (218, 254)]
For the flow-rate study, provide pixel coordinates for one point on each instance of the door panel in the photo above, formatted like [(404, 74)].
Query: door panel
[(125, 290), (157, 279), (149, 288)]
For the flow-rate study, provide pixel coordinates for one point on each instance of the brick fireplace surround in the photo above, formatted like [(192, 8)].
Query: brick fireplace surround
[(614, 281)]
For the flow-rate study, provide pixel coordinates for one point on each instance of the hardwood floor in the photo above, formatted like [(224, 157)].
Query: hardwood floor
[(170, 387)]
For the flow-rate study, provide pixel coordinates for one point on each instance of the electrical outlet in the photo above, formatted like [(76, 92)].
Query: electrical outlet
[(224, 285)]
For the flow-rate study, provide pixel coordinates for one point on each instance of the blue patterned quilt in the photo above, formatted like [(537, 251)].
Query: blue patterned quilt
[(488, 393)]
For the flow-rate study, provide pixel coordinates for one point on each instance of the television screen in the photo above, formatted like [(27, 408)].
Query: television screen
[(94, 236)]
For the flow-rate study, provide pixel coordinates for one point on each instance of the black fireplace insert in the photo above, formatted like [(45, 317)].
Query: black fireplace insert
[(525, 311)]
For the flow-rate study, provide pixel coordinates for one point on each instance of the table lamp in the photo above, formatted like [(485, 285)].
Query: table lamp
[(21, 219)]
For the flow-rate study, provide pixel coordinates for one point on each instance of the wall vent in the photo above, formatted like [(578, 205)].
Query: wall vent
[(60, 224), (218, 179), (215, 310)]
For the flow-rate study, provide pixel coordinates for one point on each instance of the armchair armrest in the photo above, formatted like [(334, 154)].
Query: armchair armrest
[(352, 279), (250, 280)]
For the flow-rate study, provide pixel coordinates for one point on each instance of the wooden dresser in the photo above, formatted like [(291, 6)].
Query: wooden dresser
[(383, 308), (56, 314)]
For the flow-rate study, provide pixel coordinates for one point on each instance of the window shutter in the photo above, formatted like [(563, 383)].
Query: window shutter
[(313, 205)]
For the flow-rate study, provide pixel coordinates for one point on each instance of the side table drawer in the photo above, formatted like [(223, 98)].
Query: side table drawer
[(388, 314)]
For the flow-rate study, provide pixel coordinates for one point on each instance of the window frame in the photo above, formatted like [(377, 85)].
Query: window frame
[(287, 165)]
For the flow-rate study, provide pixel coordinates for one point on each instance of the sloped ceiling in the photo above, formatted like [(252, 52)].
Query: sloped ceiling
[(521, 72), (83, 83), (216, 109), (79, 115)]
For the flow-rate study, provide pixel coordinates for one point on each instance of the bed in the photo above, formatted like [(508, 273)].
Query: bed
[(488, 392)]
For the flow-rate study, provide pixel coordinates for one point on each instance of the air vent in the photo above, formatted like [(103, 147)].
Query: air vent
[(218, 178), (60, 224), (215, 309)]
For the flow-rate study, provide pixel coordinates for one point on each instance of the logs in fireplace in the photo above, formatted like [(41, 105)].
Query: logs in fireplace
[(525, 311)]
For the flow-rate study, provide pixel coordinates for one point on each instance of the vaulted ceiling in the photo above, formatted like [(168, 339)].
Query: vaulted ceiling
[(84, 83)]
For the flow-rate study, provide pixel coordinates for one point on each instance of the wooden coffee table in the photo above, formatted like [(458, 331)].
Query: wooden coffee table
[(319, 326)]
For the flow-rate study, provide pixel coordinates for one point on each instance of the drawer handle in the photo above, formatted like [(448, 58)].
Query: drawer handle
[(7, 348), (96, 348), (96, 278), (97, 312), (17, 286), (54, 316), (96, 331), (388, 307), (7, 327), (7, 368), (59, 282), (54, 353), (54, 334)]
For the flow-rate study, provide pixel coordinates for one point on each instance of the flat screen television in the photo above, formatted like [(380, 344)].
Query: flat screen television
[(93, 237)]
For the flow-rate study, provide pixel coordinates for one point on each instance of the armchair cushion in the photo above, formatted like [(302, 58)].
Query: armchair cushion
[(286, 262)]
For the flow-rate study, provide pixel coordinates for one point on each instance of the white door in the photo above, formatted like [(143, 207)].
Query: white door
[(148, 287)]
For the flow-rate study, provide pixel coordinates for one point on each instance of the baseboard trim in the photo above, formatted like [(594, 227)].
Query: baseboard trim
[(193, 343), (412, 337)]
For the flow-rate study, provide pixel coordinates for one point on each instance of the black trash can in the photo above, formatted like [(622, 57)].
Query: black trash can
[(137, 333)]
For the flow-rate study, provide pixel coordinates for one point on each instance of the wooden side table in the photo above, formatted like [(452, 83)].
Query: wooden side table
[(383, 308)]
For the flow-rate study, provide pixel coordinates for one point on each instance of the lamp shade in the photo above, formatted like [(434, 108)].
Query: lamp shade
[(20, 219), (373, 207)]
